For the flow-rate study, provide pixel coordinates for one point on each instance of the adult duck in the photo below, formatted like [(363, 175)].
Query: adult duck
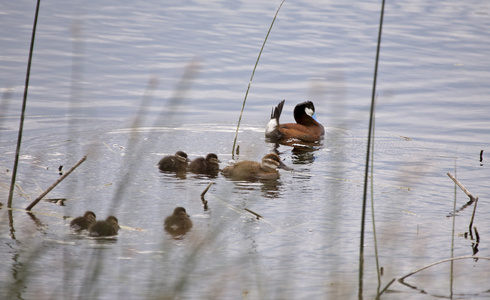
[(307, 127)]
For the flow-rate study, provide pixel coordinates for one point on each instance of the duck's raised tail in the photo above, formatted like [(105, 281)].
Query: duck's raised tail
[(271, 130), (276, 111)]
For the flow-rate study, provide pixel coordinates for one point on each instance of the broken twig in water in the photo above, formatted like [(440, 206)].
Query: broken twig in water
[(461, 186), (473, 215), (441, 261), (254, 213), (204, 201), (386, 287), (56, 183)]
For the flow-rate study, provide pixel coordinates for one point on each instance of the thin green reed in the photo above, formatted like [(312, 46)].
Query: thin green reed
[(24, 102), (368, 154), (251, 78), (451, 278), (375, 240)]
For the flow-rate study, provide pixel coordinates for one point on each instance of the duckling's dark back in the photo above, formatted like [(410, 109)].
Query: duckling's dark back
[(109, 227), (83, 222)]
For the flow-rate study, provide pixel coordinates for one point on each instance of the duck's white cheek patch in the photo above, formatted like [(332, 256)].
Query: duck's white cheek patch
[(310, 112)]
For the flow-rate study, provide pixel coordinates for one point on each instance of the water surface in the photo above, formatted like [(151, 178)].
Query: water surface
[(126, 84)]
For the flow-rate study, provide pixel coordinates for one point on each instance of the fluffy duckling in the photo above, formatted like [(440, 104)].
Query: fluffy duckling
[(105, 228), (84, 222), (251, 170), (307, 127), (178, 223), (208, 165), (174, 163)]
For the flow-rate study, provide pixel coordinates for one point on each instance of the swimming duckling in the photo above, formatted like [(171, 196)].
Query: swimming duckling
[(208, 165), (174, 163), (104, 228), (307, 128), (84, 222), (251, 170), (179, 223)]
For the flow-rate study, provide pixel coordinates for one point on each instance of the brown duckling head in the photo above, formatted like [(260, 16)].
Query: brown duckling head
[(212, 159), (112, 220), (272, 161), (181, 156), (89, 215), (180, 211)]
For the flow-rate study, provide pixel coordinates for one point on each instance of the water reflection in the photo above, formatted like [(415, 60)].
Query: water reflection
[(302, 152), (11, 224), (41, 227), (174, 175), (102, 241), (269, 188), (303, 155)]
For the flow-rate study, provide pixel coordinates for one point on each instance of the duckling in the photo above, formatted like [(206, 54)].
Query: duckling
[(179, 223), (104, 228), (208, 165), (307, 127), (84, 222), (251, 170), (174, 163)]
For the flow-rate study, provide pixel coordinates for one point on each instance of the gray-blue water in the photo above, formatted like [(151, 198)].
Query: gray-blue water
[(127, 83)]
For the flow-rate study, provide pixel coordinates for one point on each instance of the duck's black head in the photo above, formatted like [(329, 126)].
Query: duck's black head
[(304, 110)]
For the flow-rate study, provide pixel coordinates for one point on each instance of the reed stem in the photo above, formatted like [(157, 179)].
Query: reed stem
[(24, 102), (250, 82), (368, 154)]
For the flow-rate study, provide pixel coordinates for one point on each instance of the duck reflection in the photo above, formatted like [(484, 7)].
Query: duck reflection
[(303, 155), (179, 223), (268, 188)]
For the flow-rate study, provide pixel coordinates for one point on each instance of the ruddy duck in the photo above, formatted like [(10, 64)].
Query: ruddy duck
[(208, 165), (179, 223), (174, 163), (251, 170), (105, 228), (307, 127), (83, 223)]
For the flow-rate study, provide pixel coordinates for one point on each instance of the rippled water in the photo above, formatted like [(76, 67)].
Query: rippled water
[(129, 83)]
